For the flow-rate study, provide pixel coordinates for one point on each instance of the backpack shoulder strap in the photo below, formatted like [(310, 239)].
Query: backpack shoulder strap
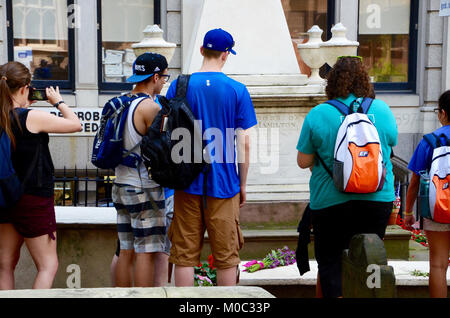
[(340, 106), (432, 140), (365, 105), (442, 137), (324, 165), (182, 85)]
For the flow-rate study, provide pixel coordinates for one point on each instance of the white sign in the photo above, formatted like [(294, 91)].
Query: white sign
[(444, 10), (24, 55), (384, 16), (89, 117)]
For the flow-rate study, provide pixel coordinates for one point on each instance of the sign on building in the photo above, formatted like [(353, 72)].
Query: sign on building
[(444, 10), (89, 117)]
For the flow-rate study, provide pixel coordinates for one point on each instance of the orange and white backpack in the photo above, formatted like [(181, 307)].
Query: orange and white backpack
[(439, 180), (358, 156)]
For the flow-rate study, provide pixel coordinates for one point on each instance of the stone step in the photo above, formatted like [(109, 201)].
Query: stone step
[(259, 243), (286, 282), (87, 237)]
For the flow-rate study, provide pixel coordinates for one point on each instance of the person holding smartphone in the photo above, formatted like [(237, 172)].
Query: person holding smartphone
[(32, 220)]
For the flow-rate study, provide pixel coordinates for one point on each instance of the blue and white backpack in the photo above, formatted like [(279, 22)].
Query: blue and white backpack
[(108, 149)]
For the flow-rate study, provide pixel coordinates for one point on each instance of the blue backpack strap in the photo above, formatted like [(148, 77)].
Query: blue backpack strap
[(365, 105), (432, 140), (182, 85), (340, 106), (440, 138)]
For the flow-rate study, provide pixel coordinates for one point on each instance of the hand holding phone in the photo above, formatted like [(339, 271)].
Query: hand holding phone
[(37, 94), (53, 95)]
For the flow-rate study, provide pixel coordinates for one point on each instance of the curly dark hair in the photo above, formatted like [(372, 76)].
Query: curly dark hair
[(349, 75)]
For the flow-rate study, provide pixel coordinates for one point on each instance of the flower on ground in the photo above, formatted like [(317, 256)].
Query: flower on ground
[(279, 257), (205, 274), (416, 235), (203, 281)]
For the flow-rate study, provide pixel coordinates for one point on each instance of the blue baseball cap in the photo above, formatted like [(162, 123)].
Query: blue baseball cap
[(147, 65), (219, 40)]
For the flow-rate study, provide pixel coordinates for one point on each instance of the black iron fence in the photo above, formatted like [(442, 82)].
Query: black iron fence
[(75, 187), (84, 187)]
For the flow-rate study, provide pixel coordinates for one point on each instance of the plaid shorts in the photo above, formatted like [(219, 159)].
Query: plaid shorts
[(139, 226)]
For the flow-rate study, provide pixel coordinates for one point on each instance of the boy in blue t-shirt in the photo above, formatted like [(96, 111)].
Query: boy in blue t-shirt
[(223, 106)]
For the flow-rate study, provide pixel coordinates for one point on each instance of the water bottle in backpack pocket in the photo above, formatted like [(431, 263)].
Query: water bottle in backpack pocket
[(423, 201), (358, 156), (439, 180)]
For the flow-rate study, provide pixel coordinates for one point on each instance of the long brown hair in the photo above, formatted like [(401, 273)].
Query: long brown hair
[(349, 75), (13, 76)]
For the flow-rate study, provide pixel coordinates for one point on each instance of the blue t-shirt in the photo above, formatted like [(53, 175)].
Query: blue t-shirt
[(421, 159), (223, 105), (318, 135)]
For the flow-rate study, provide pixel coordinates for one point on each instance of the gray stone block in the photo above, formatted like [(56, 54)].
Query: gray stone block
[(434, 5), (174, 27), (435, 28), (433, 79), (173, 5), (176, 60), (434, 56), (365, 273)]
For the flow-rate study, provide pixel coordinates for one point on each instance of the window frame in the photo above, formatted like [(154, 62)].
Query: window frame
[(110, 88), (64, 85), (411, 85)]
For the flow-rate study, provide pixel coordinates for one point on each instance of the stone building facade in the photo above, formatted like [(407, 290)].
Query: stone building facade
[(282, 105)]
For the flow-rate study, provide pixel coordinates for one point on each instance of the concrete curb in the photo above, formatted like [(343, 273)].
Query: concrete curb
[(160, 292)]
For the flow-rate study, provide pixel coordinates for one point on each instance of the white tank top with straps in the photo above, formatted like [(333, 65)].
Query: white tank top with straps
[(131, 137)]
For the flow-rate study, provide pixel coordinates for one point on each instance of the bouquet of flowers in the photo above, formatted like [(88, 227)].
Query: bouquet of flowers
[(416, 234), (419, 237), (280, 257), (205, 273)]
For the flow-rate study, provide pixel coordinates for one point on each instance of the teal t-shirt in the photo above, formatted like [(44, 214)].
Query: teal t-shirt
[(318, 135)]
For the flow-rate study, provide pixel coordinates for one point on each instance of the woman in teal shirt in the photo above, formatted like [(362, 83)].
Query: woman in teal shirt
[(338, 216)]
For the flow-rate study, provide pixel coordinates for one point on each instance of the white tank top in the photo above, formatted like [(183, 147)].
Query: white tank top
[(131, 137)]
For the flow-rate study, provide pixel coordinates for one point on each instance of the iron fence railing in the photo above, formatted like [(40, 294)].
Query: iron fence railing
[(84, 187)]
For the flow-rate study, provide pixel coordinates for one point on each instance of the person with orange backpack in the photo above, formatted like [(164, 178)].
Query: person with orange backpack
[(347, 143), (430, 181)]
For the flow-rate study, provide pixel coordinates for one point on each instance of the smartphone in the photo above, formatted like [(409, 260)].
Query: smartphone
[(37, 94)]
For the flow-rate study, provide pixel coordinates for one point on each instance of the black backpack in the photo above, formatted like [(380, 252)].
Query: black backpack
[(180, 169)]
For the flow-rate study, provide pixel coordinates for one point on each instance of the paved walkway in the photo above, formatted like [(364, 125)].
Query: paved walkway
[(289, 275)]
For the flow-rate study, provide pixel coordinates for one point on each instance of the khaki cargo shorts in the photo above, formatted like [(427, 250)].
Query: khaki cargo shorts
[(220, 219)]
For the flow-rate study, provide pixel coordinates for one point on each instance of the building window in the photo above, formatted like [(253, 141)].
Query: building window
[(388, 42), (39, 37), (121, 24), (301, 15)]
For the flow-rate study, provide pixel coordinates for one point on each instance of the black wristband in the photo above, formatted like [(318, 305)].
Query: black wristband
[(58, 103)]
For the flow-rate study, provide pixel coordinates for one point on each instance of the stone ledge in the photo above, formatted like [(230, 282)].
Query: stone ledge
[(160, 292), (289, 275)]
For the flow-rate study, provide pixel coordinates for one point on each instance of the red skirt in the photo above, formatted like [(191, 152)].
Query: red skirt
[(34, 216)]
